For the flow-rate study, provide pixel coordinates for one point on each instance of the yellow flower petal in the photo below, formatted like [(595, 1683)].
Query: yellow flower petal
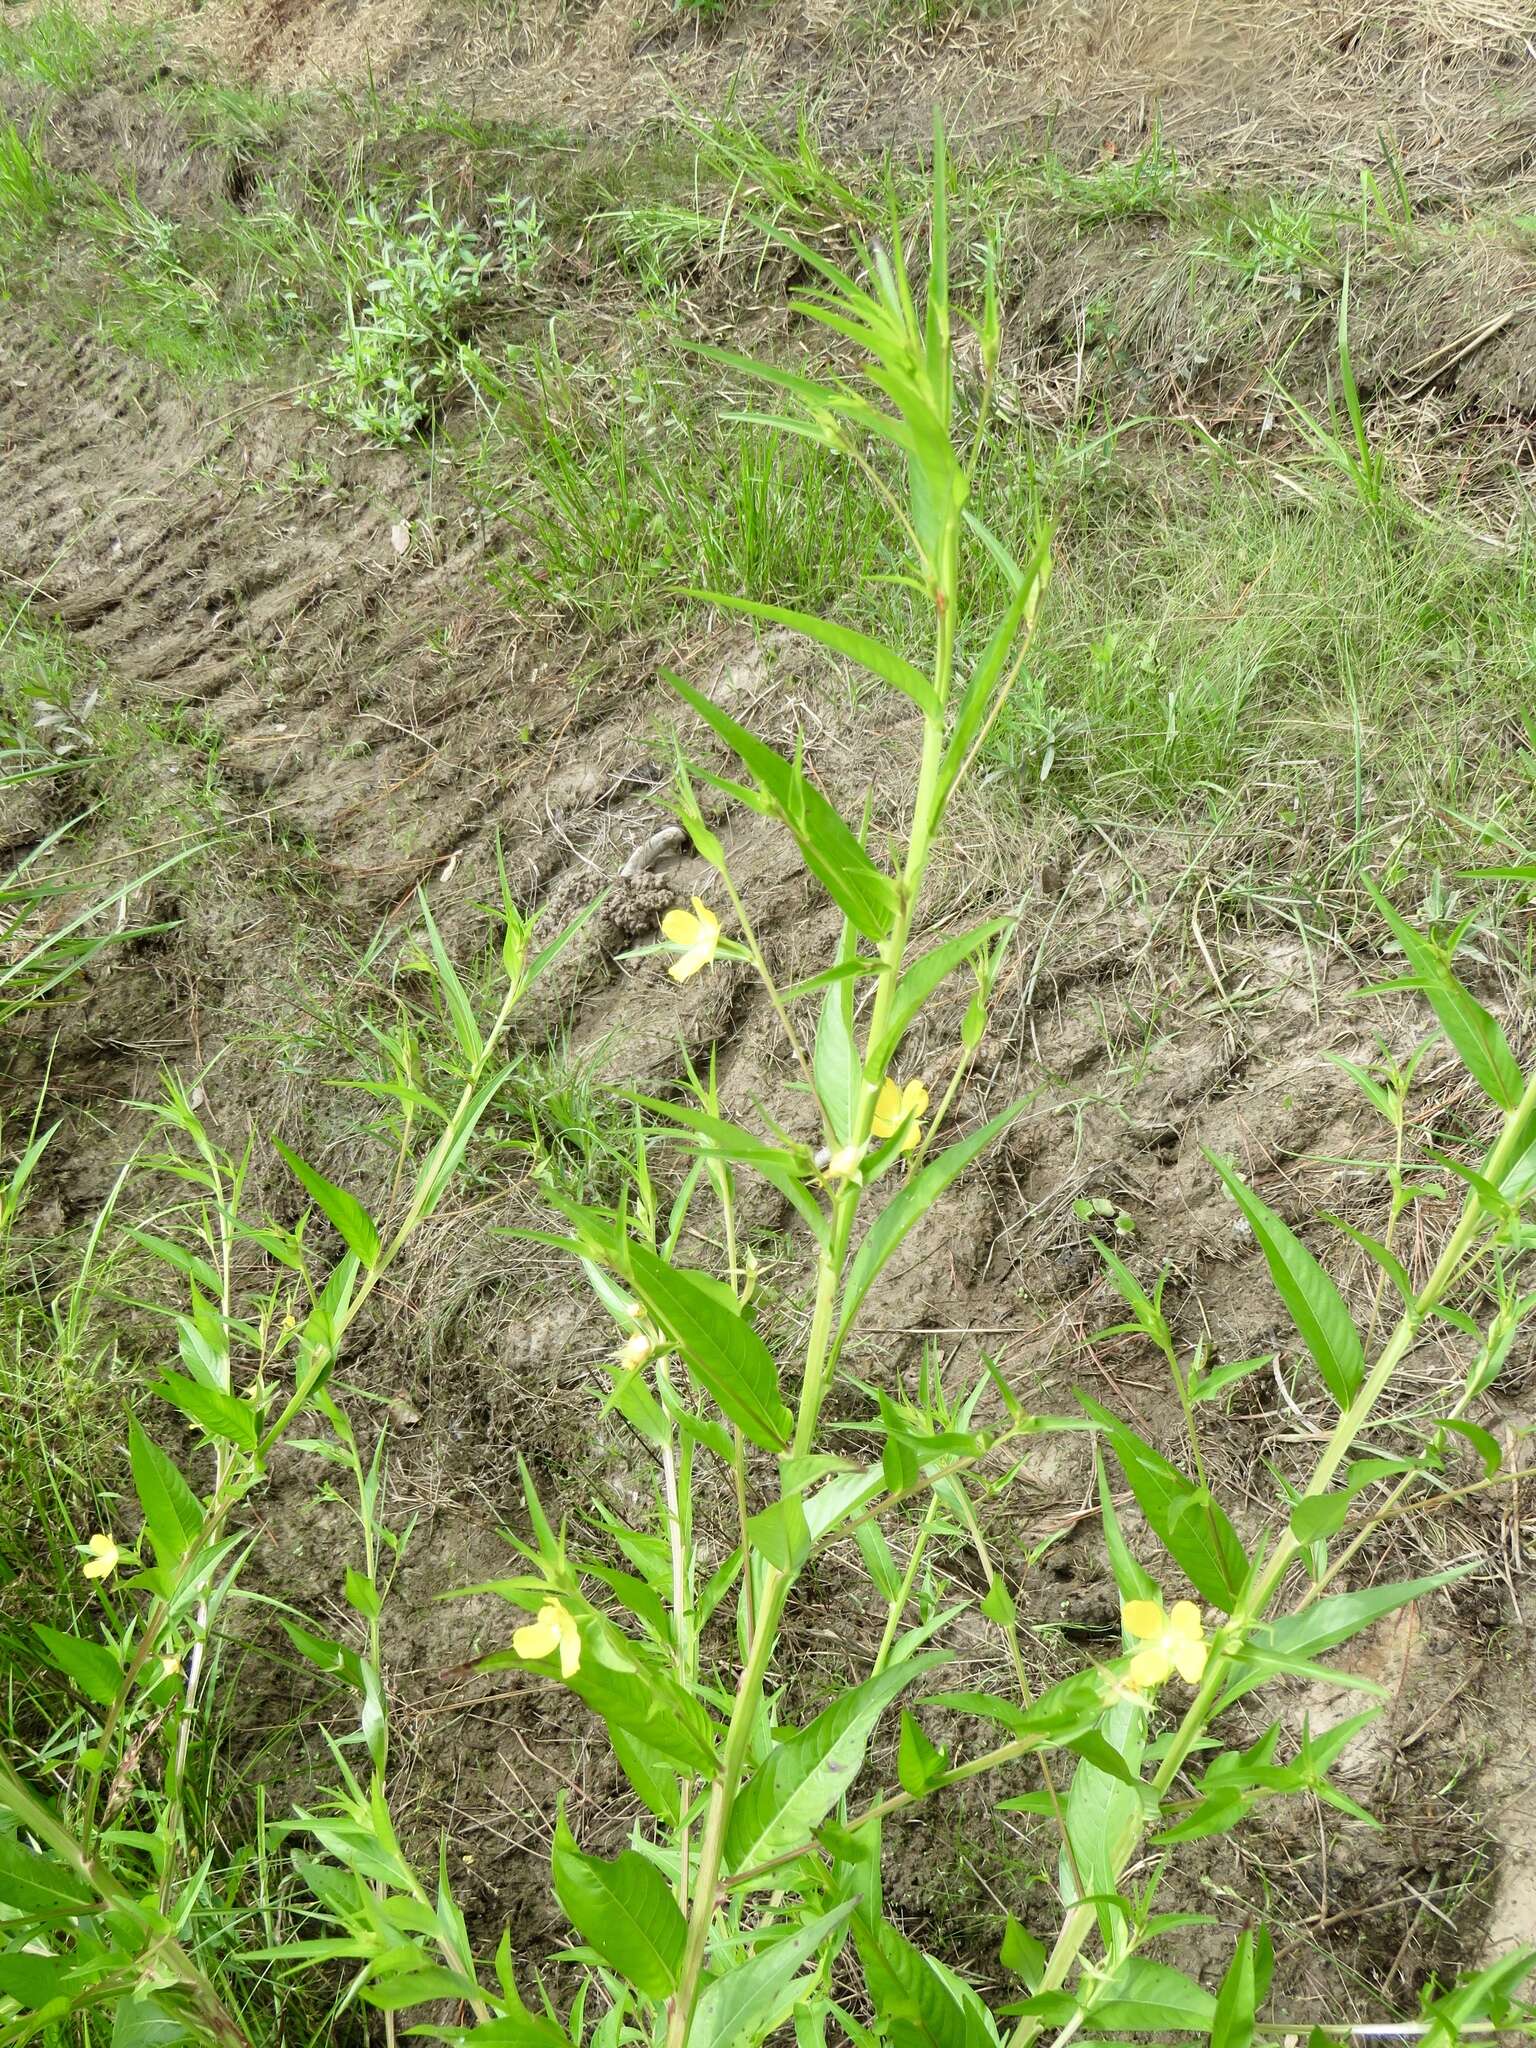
[(555, 1629), (538, 1639), (1189, 1660), (570, 1645), (893, 1106), (1184, 1622), (1141, 1618), (887, 1109), (680, 926), (699, 931), (1151, 1665), (688, 964), (103, 1559)]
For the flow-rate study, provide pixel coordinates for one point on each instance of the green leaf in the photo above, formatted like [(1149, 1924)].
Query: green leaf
[(417, 1982), (223, 1416), (1487, 1446), (1103, 1812), (1242, 1991), (142, 2022), (31, 1979), (1146, 1997), (1475, 1034), (871, 655), (1338, 1616), (1317, 1516), (651, 1774), (38, 1886), (743, 2006), (1315, 1304), (92, 1666), (908, 1206), (721, 1350), (804, 1777), (627, 1686), (461, 1010), (346, 1214), (919, 1763), (1131, 1582), (623, 1909), (1218, 1377), (1022, 1953), (923, 977), (835, 1065), (173, 1514), (991, 671), (1186, 1521), (829, 849), (782, 1533), (184, 1261), (919, 2002)]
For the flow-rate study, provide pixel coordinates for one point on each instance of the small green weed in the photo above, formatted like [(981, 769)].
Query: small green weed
[(414, 286), (29, 192), (57, 47)]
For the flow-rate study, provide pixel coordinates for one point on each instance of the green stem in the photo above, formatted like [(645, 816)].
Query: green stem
[(770, 1609)]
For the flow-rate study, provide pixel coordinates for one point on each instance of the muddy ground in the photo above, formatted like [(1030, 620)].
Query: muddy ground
[(328, 694)]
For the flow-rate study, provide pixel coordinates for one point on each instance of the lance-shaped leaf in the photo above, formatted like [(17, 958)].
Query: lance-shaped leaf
[(836, 1065), (803, 1778), (745, 2005), (827, 845), (1316, 1306), (918, 2002), (720, 1348), (1475, 1034), (618, 1679), (351, 1221), (992, 672), (873, 656), (624, 1909), (909, 1205), (173, 1514), (1187, 1522), (1145, 1996), (922, 978)]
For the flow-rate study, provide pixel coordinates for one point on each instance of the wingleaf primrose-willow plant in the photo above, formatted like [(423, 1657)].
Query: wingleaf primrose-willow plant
[(749, 1897)]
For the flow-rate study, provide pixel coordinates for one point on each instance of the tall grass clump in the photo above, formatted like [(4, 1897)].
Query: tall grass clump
[(748, 1897)]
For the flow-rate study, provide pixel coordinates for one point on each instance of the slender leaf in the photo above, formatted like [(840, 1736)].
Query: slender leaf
[(745, 2005), (351, 1221), (624, 1909), (804, 1777), (871, 655), (1315, 1304), (828, 847), (720, 1348), (909, 1205)]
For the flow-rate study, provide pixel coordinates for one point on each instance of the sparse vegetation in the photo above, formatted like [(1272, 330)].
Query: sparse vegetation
[(773, 907)]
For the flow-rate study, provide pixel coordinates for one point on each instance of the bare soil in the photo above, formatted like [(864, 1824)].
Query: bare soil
[(344, 713)]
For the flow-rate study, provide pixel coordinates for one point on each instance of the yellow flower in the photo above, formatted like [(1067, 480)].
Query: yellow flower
[(554, 1630), (170, 1667), (697, 931), (103, 1558), (1171, 1642), (894, 1104)]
